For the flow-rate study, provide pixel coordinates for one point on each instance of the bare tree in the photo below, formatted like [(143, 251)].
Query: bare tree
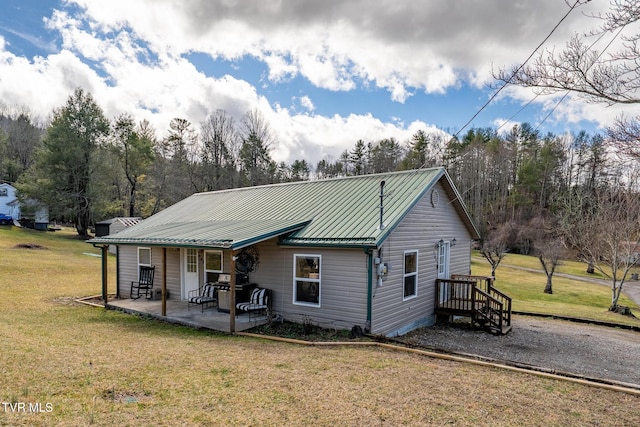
[(549, 252), (218, 138), (494, 249), (257, 140), (135, 152), (584, 67), (605, 230)]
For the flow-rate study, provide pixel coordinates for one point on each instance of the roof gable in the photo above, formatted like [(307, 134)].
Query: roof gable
[(333, 212)]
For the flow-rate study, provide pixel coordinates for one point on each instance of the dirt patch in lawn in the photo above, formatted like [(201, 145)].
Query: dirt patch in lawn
[(34, 246)]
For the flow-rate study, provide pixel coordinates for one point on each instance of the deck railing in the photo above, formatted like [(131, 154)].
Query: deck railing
[(474, 296)]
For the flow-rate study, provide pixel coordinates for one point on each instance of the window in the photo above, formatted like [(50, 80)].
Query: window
[(144, 258), (410, 274), (212, 265), (192, 261), (443, 260), (306, 279)]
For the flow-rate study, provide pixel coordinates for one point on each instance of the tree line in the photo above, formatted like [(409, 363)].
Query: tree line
[(527, 192), (88, 168)]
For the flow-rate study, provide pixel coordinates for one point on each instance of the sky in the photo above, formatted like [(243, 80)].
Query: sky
[(323, 73)]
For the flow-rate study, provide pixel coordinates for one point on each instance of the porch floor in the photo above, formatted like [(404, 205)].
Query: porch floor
[(178, 312)]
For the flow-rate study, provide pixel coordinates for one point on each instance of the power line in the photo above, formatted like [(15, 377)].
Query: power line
[(597, 58), (517, 70)]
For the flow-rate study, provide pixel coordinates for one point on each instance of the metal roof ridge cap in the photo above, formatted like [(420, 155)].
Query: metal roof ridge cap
[(311, 181)]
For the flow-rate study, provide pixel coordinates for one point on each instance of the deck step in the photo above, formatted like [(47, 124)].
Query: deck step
[(506, 329)]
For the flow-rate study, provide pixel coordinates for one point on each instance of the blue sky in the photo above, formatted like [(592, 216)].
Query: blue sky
[(323, 73)]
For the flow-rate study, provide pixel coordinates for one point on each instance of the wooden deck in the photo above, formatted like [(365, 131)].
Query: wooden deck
[(476, 298), (178, 312)]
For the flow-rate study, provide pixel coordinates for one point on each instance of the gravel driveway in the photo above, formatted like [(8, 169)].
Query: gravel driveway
[(557, 345)]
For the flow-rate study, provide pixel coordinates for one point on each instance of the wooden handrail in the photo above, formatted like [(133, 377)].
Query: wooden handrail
[(464, 295), (506, 301), (492, 306)]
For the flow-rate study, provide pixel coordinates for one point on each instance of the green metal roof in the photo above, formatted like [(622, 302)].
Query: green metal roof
[(332, 212)]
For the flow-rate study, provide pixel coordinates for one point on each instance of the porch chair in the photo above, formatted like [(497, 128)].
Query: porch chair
[(259, 303), (205, 296), (144, 285)]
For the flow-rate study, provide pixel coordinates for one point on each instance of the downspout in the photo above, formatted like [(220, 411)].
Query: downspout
[(105, 252), (118, 271)]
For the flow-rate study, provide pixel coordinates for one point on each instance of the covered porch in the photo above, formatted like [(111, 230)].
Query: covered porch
[(177, 312)]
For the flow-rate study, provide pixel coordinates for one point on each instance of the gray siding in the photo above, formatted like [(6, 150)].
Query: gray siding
[(420, 230), (344, 273), (128, 269), (343, 296)]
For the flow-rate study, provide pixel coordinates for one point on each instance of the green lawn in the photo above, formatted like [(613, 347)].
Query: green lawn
[(570, 298), (75, 365), (569, 267)]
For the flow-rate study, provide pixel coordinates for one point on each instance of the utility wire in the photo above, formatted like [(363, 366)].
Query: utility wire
[(561, 99), (597, 58), (517, 70)]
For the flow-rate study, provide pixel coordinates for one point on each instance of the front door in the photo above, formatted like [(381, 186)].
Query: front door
[(190, 271), (443, 269)]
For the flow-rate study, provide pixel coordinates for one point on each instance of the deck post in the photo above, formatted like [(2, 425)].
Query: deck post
[(164, 281), (232, 294), (105, 256)]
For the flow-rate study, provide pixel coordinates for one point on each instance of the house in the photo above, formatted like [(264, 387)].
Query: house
[(31, 213), (363, 250)]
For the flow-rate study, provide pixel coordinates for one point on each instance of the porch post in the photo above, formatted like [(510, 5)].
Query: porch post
[(105, 256), (232, 294), (164, 281)]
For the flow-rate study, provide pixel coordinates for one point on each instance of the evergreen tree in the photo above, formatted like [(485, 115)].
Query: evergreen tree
[(61, 177)]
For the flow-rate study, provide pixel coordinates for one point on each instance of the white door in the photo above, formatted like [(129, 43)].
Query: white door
[(190, 272), (443, 269)]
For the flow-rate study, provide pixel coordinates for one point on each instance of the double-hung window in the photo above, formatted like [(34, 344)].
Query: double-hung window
[(410, 274), (212, 265), (307, 279), (144, 258)]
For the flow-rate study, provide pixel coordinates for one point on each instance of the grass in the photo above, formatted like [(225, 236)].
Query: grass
[(575, 268), (571, 298), (96, 367)]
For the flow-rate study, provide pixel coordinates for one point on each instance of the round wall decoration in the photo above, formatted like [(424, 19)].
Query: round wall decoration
[(435, 198)]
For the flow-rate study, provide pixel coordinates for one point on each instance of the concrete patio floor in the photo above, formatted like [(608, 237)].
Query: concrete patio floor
[(179, 313)]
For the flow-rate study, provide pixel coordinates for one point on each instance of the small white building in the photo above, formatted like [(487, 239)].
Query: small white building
[(11, 209)]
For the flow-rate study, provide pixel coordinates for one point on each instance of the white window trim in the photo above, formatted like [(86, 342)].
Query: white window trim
[(150, 256), (191, 262), (221, 262), (443, 249), (307, 279), (405, 274), (142, 264)]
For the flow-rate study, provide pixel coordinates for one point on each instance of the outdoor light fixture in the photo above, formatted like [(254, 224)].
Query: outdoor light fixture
[(439, 243), (453, 242)]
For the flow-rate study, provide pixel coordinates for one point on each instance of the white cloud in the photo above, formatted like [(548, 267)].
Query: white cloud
[(136, 50), (306, 102), (396, 45)]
